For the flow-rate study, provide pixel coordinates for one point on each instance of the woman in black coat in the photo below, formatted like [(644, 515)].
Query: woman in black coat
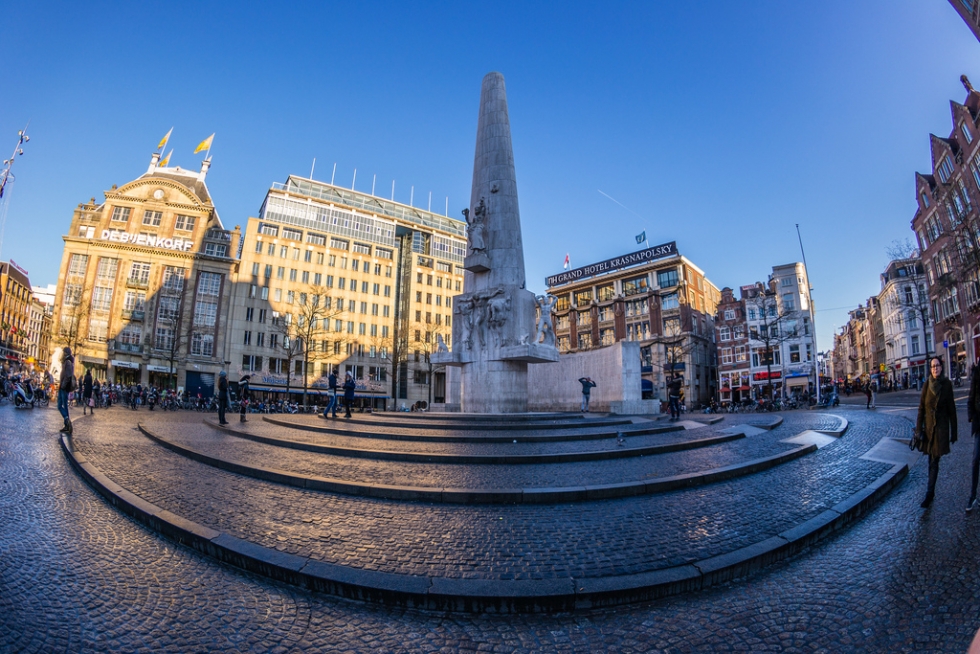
[(936, 422)]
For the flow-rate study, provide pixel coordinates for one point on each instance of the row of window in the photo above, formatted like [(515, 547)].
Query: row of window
[(309, 255), (153, 218)]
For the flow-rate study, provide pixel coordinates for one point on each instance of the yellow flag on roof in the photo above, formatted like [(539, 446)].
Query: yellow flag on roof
[(205, 144), (163, 141), (165, 160)]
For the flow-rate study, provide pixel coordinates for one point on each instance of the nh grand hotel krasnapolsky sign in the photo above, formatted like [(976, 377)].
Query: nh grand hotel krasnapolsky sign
[(643, 256)]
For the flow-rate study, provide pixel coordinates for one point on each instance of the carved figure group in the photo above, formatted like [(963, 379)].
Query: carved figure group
[(478, 312)]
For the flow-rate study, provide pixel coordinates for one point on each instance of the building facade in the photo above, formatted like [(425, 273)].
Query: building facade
[(656, 297), (904, 307), (143, 288), (947, 228), (732, 335), (336, 280), (17, 336)]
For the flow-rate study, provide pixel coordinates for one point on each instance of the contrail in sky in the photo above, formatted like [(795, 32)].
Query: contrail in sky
[(621, 204)]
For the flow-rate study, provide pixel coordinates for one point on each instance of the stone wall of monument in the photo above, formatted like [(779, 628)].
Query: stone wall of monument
[(615, 370)]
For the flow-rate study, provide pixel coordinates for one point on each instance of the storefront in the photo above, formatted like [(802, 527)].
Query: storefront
[(99, 367), (161, 377), (125, 373), (761, 380)]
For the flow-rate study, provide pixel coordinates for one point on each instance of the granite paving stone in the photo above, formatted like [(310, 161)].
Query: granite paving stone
[(77, 576), (610, 537)]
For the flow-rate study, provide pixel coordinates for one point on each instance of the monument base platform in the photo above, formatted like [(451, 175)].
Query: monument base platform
[(530, 353)]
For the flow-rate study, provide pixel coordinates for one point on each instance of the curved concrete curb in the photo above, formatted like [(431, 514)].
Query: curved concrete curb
[(475, 595), (523, 437), (473, 425), (839, 431), (493, 496), (487, 459)]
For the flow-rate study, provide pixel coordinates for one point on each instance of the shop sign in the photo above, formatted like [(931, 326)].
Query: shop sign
[(643, 256), (762, 376), (165, 369), (125, 364), (179, 244)]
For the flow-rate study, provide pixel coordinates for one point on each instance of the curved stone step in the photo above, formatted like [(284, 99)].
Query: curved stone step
[(355, 430), (489, 496), (473, 425), (488, 459), (483, 595)]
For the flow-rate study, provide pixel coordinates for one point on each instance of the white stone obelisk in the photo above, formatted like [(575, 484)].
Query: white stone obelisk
[(494, 319)]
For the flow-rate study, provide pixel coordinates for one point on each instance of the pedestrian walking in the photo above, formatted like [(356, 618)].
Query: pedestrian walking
[(332, 404), (222, 397), (587, 386), (973, 415), (674, 390), (936, 422), (87, 393), (867, 393), (245, 396), (874, 394), (349, 386), (66, 384)]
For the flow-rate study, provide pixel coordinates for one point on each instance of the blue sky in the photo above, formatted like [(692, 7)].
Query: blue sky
[(719, 125)]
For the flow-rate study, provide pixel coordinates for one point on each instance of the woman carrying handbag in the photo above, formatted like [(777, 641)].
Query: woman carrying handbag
[(935, 426)]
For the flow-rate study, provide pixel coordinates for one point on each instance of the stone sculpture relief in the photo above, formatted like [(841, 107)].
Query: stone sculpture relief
[(441, 344), (546, 329), (477, 226)]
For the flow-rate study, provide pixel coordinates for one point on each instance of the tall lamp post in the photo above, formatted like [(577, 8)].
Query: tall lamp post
[(6, 177), (813, 322)]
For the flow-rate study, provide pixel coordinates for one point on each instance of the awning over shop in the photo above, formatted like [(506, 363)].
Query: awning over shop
[(646, 385), (798, 381)]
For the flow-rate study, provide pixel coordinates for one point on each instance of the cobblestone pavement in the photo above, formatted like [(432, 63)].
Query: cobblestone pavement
[(76, 576)]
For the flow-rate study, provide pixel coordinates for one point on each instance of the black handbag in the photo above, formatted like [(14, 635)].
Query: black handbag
[(915, 443)]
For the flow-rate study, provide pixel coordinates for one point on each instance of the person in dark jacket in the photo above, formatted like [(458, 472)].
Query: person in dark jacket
[(674, 388), (973, 414), (222, 397), (66, 384), (349, 386), (332, 404), (87, 392), (587, 386), (936, 422), (245, 395)]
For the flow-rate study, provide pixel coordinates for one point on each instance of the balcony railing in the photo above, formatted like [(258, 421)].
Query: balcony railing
[(134, 282), (120, 346), (133, 315)]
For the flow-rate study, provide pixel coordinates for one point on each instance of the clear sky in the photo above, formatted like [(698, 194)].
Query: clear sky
[(718, 124)]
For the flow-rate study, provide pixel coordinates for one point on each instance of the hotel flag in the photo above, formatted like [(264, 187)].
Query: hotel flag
[(204, 145), (163, 141), (642, 236), (566, 261), (165, 160)]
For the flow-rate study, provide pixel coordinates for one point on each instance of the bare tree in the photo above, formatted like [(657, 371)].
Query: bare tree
[(423, 340), (776, 325), (71, 327), (307, 330), (913, 296)]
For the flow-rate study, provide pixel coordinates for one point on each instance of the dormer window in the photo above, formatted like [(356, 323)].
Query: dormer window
[(966, 133), (945, 169), (925, 200)]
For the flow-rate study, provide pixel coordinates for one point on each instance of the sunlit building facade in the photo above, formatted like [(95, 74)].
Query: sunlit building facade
[(331, 279), (656, 297), (143, 287)]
